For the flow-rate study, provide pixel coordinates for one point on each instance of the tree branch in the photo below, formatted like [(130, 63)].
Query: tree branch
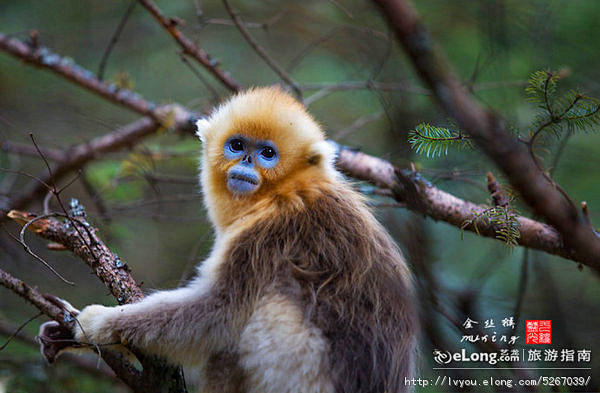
[(43, 57), (156, 376), (421, 196), (261, 52), (173, 116), (87, 246), (29, 150), (31, 295), (189, 48), (489, 132), (79, 155)]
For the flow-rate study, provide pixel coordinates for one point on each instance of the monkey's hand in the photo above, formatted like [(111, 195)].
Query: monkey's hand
[(89, 329), (54, 338), (94, 326)]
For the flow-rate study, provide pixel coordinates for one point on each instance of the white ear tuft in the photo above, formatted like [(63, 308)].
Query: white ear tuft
[(322, 152), (202, 126)]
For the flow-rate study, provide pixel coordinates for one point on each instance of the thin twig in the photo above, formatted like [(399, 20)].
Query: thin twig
[(16, 332), (114, 39), (358, 124), (297, 59), (198, 75), (261, 52), (81, 154), (551, 120), (22, 173), (73, 180), (189, 48), (56, 194), (30, 251)]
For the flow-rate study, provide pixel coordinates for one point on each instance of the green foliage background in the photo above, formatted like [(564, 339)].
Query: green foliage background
[(160, 229)]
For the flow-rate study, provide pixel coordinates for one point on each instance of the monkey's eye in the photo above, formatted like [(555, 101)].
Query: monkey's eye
[(236, 145), (268, 153)]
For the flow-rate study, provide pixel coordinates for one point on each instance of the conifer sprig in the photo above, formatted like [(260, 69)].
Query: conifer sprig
[(434, 141)]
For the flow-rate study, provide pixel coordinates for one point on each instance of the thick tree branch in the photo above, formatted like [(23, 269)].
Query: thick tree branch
[(420, 195), (156, 376), (43, 57), (189, 48), (31, 295), (172, 116), (87, 246), (489, 132), (30, 150), (79, 155)]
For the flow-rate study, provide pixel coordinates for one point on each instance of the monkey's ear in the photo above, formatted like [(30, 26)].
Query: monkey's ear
[(202, 126), (322, 153)]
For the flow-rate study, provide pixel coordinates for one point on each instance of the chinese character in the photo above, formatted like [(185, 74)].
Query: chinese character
[(567, 355), (468, 324), (545, 326), (534, 355), (508, 322), (538, 332), (545, 338), (584, 355), (488, 324), (532, 338), (532, 325), (550, 355)]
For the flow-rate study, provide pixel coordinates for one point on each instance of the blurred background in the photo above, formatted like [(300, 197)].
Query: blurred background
[(357, 83)]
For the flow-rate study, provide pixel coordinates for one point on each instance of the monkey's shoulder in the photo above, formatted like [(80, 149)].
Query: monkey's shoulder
[(336, 225), (333, 237)]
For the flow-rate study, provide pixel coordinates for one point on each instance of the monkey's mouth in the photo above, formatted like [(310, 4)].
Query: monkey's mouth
[(242, 177), (242, 182)]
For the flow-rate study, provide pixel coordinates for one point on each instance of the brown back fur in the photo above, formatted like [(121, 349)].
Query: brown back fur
[(335, 260)]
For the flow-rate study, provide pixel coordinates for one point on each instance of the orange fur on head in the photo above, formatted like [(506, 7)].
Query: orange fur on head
[(266, 114)]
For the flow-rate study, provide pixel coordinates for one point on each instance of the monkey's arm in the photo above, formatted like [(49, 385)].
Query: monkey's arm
[(168, 323)]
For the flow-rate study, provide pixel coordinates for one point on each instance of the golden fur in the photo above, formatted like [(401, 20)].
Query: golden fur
[(302, 275), (266, 114)]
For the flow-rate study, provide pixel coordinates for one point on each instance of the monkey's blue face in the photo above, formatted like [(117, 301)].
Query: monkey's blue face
[(250, 155)]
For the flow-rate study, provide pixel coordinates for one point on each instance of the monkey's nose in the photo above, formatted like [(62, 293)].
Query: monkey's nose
[(247, 159)]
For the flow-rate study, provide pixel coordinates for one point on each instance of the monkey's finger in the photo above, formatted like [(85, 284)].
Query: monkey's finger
[(54, 339), (63, 304)]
